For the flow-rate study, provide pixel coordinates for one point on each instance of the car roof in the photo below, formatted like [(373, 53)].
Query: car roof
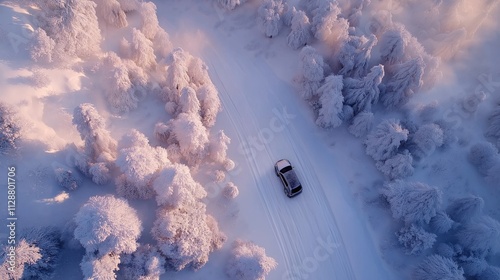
[(291, 178)]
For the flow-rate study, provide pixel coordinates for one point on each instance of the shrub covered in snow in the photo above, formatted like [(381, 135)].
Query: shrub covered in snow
[(230, 191), (415, 239), (384, 142), (412, 202), (140, 164), (301, 31), (249, 262), (331, 102), (464, 209), (483, 156), (480, 235), (186, 235), (106, 225), (269, 17), (66, 176), (436, 267), (10, 131)]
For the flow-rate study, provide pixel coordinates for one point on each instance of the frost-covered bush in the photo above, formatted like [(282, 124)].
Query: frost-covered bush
[(269, 17), (186, 235), (361, 124), (107, 225), (328, 26), (144, 264), (175, 187), (249, 262), (481, 235), (68, 23), (436, 267), (415, 239), (140, 164), (464, 209), (66, 176), (37, 254), (10, 130), (427, 138), (397, 167), (123, 82), (331, 102), (301, 31), (384, 142), (404, 81), (361, 94), (412, 202), (217, 148), (441, 223), (311, 72), (230, 191), (483, 156), (355, 54), (111, 13)]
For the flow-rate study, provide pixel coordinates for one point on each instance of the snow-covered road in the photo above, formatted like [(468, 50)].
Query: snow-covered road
[(320, 234)]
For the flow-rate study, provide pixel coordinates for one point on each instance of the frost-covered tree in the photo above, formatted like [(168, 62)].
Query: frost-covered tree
[(355, 54), (472, 265), (139, 49), (427, 138), (361, 94), (217, 150), (397, 167), (384, 142), (415, 239), (327, 24), (100, 148), (175, 187), (106, 225), (144, 264), (311, 72), (230, 4), (42, 46), (436, 267), (249, 262), (361, 124), (269, 17), (481, 235), (37, 254), (104, 267), (331, 102), (66, 176), (210, 104), (188, 101), (123, 82), (177, 76), (464, 209), (230, 191), (441, 223), (69, 23), (301, 31), (412, 202), (111, 13), (140, 164), (10, 130), (393, 45), (483, 156), (405, 81), (186, 235)]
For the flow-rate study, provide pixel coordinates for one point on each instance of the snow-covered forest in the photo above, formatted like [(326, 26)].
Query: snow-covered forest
[(138, 139)]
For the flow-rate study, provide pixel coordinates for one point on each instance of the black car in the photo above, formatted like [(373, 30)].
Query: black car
[(285, 172)]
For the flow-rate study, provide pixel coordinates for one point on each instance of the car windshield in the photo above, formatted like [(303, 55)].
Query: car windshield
[(286, 169)]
